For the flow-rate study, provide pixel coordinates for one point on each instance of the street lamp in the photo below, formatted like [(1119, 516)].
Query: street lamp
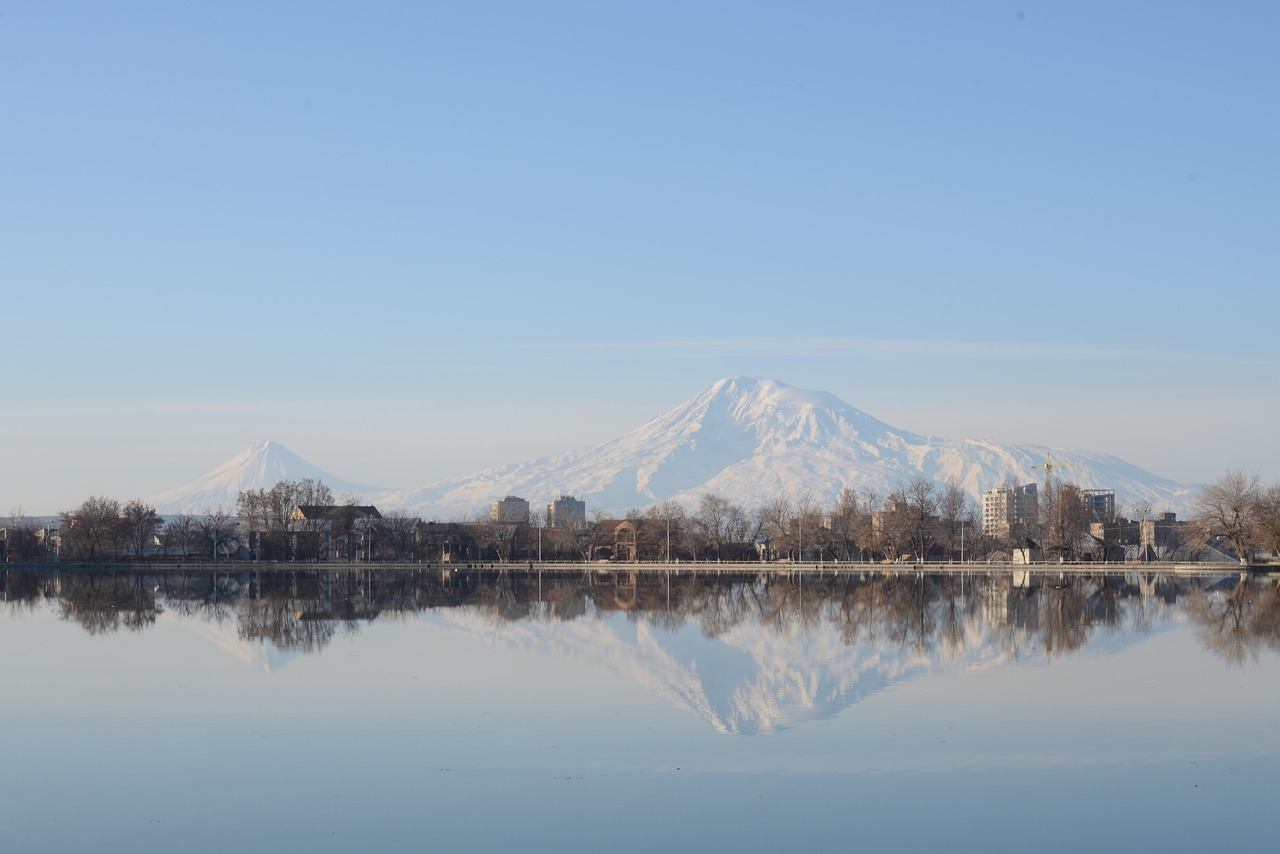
[(668, 544)]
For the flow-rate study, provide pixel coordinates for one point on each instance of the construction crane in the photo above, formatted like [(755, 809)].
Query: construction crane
[(1049, 466)]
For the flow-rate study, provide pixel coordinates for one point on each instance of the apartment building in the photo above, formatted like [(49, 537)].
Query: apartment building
[(1006, 506)]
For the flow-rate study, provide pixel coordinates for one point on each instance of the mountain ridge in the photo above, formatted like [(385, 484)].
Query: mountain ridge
[(746, 438), (750, 439)]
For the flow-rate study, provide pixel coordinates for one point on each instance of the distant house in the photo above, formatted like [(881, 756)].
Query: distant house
[(630, 539), (1028, 552), (333, 513), (1087, 547), (325, 532), (1082, 548), (1160, 535), (448, 542), (1217, 550), (614, 539)]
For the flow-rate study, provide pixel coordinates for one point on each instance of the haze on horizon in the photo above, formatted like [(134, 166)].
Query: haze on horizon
[(416, 242)]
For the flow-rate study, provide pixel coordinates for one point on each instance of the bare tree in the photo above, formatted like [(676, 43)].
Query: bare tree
[(21, 538), (570, 540), (1268, 524), (179, 535), (268, 514), (92, 531), (922, 504), (674, 519), (722, 528), (1229, 508), (812, 534), (494, 534), (954, 516), (219, 532), (272, 509), (1065, 518), (775, 518), (847, 524), (891, 525), (141, 522), (399, 533)]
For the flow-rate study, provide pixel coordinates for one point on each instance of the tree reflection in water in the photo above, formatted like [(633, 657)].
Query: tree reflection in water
[(1237, 622), (106, 603), (1049, 614)]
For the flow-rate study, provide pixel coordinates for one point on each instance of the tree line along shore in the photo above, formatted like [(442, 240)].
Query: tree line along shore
[(1235, 519)]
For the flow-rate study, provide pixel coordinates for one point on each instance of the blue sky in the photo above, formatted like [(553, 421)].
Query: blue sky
[(413, 240)]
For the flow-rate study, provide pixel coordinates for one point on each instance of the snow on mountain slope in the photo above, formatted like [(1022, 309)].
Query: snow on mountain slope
[(751, 439), (260, 466)]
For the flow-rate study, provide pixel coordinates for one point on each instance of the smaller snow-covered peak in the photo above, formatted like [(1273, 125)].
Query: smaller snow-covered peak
[(260, 449), (260, 466)]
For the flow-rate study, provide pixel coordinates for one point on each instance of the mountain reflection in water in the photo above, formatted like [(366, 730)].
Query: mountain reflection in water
[(784, 648)]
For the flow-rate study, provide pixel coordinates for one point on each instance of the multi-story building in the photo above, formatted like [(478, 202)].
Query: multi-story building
[(1006, 506), (566, 512), (1159, 534), (510, 509), (1101, 504)]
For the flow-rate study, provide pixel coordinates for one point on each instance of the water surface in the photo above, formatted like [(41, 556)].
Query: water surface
[(339, 711)]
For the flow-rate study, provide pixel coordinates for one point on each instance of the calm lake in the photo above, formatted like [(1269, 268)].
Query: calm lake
[(375, 711)]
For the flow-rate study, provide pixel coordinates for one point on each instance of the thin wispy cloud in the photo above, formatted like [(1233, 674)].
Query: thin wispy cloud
[(901, 348)]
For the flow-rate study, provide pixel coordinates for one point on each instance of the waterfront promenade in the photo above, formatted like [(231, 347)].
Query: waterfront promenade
[(734, 568)]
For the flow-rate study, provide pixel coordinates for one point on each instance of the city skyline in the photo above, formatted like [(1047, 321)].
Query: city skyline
[(413, 243)]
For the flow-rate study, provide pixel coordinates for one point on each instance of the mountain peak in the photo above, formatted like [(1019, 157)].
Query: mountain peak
[(757, 387), (750, 439), (260, 466), (776, 412)]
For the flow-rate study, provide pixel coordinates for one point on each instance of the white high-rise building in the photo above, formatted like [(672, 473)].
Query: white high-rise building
[(510, 509), (1006, 506)]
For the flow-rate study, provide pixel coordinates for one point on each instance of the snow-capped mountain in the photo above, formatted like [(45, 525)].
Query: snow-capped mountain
[(260, 466), (750, 439), (746, 439)]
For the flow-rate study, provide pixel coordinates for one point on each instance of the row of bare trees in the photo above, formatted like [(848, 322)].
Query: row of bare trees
[(273, 509), (103, 529), (916, 518), (271, 527), (919, 519)]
